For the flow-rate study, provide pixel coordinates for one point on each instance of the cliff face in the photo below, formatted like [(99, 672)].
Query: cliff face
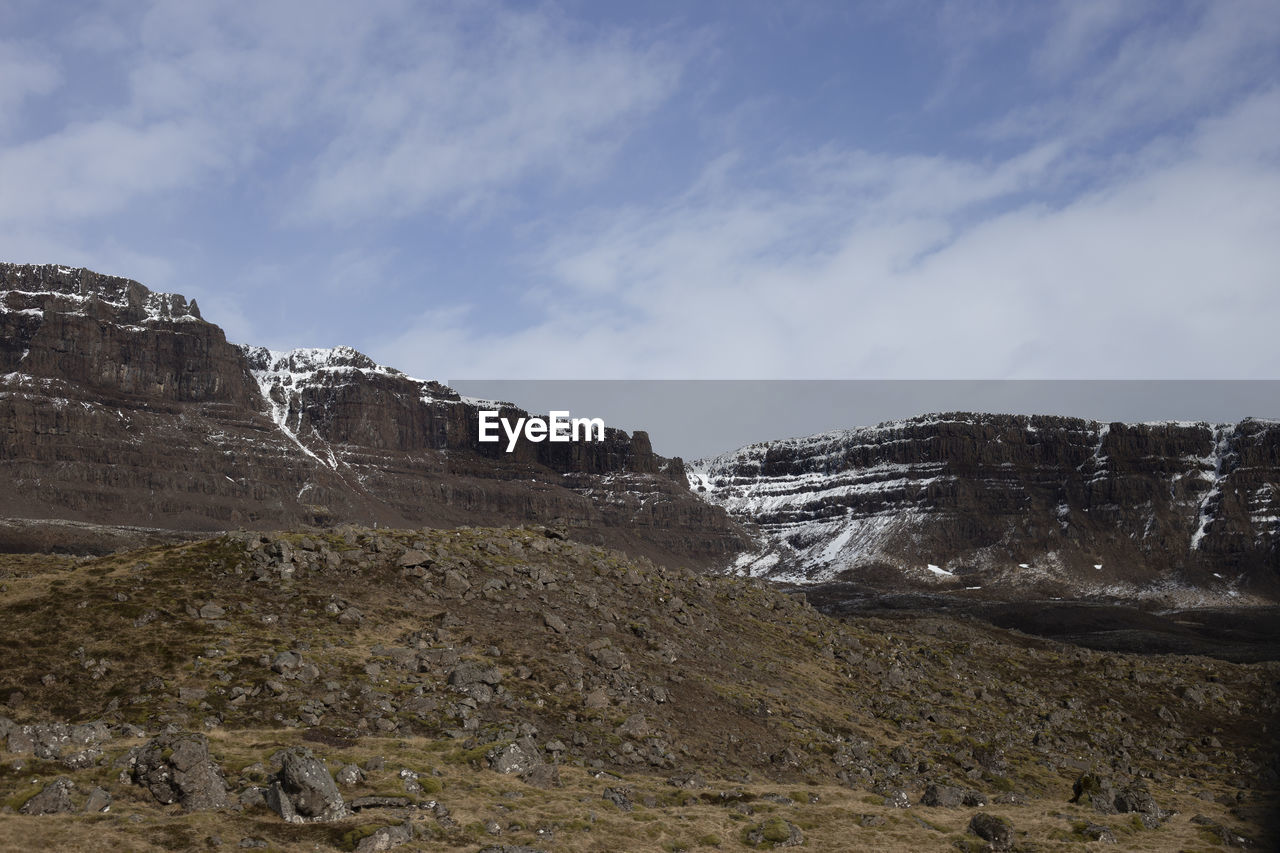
[(990, 499), (123, 406)]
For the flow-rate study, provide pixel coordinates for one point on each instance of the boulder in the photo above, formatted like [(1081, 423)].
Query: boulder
[(1135, 798), (178, 769), (1099, 833), (414, 557), (99, 801), (473, 672), (942, 796), (620, 797), (310, 790), (385, 838), (54, 798), (519, 757), (996, 831)]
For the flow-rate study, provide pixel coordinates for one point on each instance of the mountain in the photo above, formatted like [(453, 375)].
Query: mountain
[(124, 407), (1064, 506)]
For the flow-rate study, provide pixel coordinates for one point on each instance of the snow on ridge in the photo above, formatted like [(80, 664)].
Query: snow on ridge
[(1204, 513), (154, 307), (842, 440)]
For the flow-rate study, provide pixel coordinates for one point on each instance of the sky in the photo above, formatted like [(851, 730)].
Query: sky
[(696, 419), (727, 189)]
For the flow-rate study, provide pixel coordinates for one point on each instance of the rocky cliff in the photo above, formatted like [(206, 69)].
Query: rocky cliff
[(968, 500), (123, 406)]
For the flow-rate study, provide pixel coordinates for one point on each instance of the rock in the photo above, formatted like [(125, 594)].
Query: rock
[(54, 798), (519, 757), (178, 769), (376, 802), (309, 787), (897, 799), (942, 796), (472, 672), (688, 780), (212, 611), (350, 616), (348, 775), (456, 582), (409, 778), (774, 833), (286, 662), (99, 801), (385, 838), (278, 801), (542, 776), (620, 797), (555, 623), (510, 848), (1094, 790), (1224, 835), (253, 797), (995, 830), (607, 656), (1096, 832), (634, 726), (414, 557), (1136, 799)]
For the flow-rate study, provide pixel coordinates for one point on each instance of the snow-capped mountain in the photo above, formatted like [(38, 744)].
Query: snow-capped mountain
[(965, 500), (123, 406)]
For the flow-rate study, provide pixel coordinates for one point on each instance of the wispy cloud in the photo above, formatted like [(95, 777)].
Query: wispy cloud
[(462, 121), (1072, 188), (375, 110), (873, 267), (1113, 75), (24, 73)]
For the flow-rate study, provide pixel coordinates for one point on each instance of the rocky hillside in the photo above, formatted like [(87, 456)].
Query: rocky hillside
[(511, 690), (1067, 506), (120, 406)]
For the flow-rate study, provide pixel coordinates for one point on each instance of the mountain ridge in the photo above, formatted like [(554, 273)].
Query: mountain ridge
[(125, 407), (958, 495)]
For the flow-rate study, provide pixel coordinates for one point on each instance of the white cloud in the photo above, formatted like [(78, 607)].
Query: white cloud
[(465, 119), (24, 74), (1184, 58), (99, 167), (1164, 270), (344, 111)]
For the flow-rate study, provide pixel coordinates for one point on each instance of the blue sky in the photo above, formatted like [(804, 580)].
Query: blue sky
[(670, 190)]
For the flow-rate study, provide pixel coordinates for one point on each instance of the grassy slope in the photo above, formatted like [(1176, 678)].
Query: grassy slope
[(753, 689)]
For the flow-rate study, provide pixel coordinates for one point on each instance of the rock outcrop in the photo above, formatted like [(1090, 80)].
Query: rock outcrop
[(178, 769), (120, 406), (965, 499)]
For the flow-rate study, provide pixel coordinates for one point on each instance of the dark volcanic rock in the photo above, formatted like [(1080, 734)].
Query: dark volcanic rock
[(178, 769), (120, 405), (54, 798), (310, 789), (942, 796), (995, 830), (1022, 499)]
